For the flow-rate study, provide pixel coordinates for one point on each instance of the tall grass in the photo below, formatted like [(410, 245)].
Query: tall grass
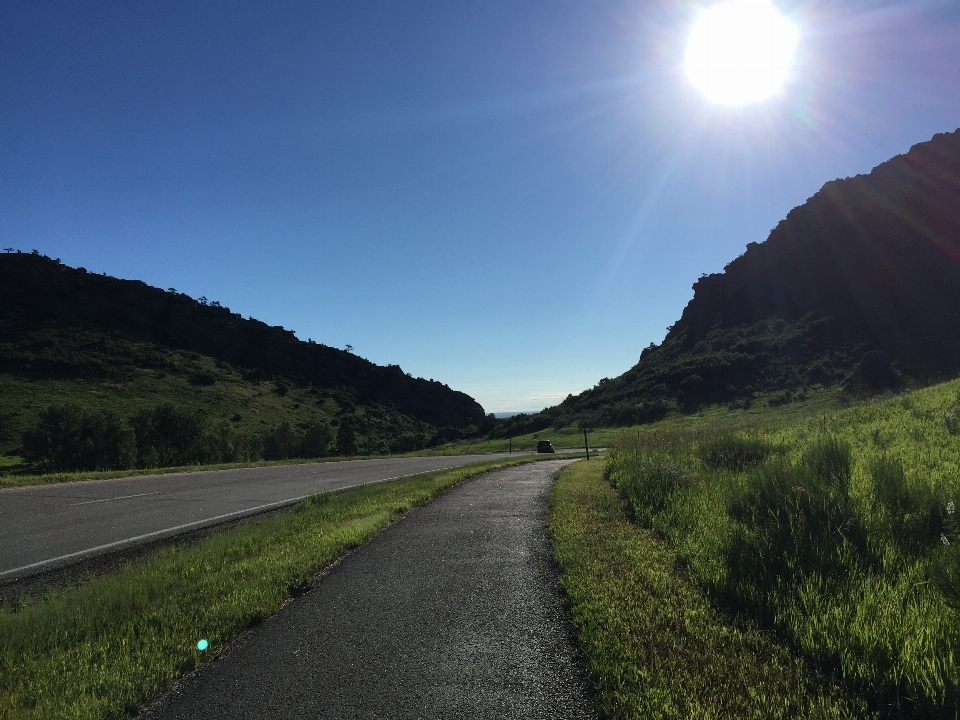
[(656, 645), (839, 534)]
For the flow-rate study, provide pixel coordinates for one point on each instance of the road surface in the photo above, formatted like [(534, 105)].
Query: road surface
[(452, 612), (43, 527)]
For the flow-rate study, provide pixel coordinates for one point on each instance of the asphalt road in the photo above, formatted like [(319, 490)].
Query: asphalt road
[(43, 527), (453, 612)]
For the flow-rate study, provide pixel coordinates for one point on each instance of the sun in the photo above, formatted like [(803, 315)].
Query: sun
[(740, 51)]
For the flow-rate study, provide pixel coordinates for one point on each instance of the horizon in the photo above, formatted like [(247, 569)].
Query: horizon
[(512, 200)]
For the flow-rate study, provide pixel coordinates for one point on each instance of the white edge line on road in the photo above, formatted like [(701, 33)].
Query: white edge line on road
[(122, 497), (178, 528)]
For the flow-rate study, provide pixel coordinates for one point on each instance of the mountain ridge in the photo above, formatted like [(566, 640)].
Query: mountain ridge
[(44, 303), (859, 286)]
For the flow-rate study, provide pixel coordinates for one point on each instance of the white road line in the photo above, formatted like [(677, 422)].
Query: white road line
[(122, 497), (179, 528)]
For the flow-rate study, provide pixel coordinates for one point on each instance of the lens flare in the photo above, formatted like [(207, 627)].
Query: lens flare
[(740, 52)]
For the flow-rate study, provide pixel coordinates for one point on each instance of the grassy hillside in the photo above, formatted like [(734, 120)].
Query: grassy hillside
[(251, 407), (104, 352), (61, 322), (857, 288), (836, 533)]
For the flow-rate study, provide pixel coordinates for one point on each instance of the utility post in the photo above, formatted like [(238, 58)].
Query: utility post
[(586, 445), (511, 444)]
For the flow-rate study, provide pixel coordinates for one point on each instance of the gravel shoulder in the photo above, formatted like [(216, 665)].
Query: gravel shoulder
[(454, 611)]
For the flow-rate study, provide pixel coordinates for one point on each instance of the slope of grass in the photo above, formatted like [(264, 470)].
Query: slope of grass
[(656, 646), (252, 406), (102, 649), (766, 412), (834, 532)]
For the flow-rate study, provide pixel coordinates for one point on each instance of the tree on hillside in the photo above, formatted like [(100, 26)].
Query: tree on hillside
[(317, 440), (346, 438), (281, 443), (174, 433), (67, 437)]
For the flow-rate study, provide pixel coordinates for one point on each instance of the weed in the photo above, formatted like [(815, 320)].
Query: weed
[(734, 452)]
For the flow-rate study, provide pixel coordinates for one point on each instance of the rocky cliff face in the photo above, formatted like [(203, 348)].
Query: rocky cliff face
[(859, 285)]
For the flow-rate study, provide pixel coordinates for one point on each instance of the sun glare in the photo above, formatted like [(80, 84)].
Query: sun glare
[(740, 51)]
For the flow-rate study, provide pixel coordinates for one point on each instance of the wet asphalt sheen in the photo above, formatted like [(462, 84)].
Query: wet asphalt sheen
[(452, 612)]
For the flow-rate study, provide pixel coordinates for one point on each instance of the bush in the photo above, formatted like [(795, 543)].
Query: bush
[(174, 433), (346, 438), (877, 372), (649, 483), (67, 437), (913, 516), (280, 443), (317, 440), (795, 521), (734, 452)]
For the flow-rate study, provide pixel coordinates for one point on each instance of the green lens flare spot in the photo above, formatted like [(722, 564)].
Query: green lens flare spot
[(202, 645)]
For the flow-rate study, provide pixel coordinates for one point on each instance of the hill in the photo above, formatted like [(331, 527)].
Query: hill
[(857, 287), (67, 335)]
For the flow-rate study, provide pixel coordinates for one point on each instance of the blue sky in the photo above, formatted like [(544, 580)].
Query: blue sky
[(511, 197)]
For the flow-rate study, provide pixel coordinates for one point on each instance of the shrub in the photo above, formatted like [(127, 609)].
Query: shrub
[(280, 443), (649, 483), (175, 433), (945, 561), (346, 438), (317, 440), (734, 452), (67, 437), (913, 516), (796, 520)]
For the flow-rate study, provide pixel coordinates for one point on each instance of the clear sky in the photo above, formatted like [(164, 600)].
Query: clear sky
[(511, 197)]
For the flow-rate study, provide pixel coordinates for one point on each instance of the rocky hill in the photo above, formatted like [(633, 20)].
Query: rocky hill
[(58, 322), (858, 286)]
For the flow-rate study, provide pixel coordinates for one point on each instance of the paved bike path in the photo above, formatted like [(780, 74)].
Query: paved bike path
[(453, 612)]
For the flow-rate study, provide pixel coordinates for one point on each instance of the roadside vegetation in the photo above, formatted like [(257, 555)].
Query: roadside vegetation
[(522, 432), (656, 645), (56, 426), (106, 647), (836, 534)]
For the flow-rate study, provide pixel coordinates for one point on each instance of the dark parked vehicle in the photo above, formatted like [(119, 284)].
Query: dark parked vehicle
[(545, 446)]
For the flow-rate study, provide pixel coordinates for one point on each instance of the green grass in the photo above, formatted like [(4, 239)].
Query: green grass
[(256, 403), (830, 531), (567, 437), (815, 404), (655, 644), (100, 650)]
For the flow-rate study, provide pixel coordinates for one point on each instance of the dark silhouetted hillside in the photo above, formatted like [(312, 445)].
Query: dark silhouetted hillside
[(61, 322), (860, 285)]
